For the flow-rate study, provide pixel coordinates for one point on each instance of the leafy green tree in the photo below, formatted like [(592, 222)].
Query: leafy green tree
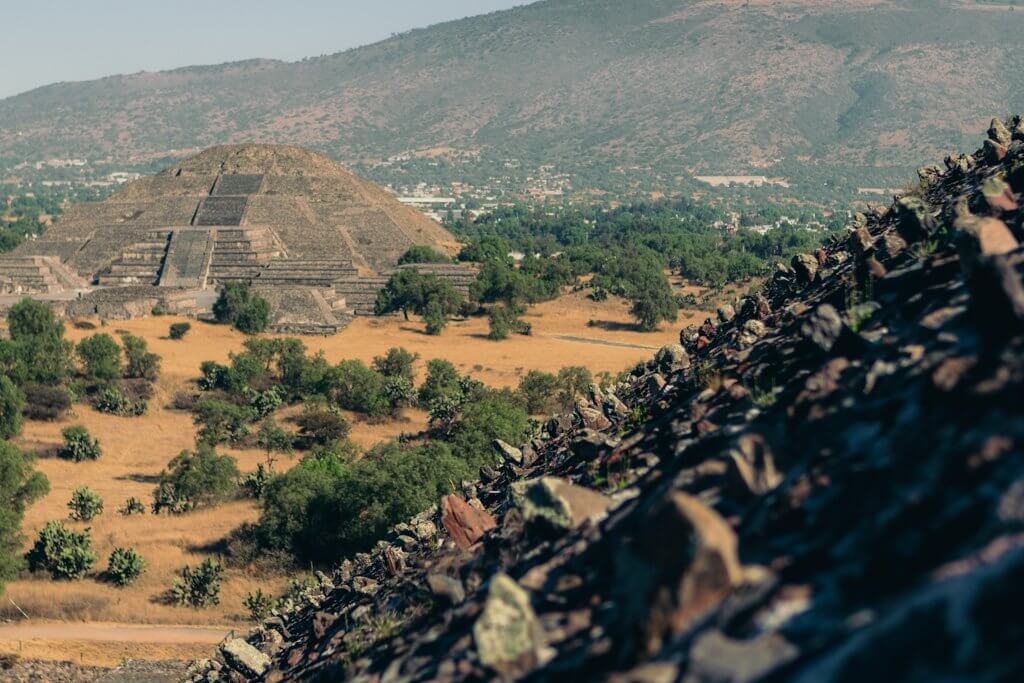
[(37, 351), (496, 415), (179, 330), (273, 439), (573, 381), (20, 486), (124, 566), (221, 421), (101, 357), (397, 362), (654, 302), (85, 504), (319, 426), (141, 363), (442, 380), (539, 391), (408, 291), (360, 389), (239, 306), (196, 479), (64, 553), (12, 403), (79, 445)]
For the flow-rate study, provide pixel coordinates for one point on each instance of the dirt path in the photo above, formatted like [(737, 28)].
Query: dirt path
[(114, 633), (601, 342)]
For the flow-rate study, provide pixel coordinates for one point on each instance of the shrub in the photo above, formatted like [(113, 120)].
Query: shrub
[(113, 401), (255, 483), (20, 485), (79, 445), (264, 403), (199, 587), (12, 404), (179, 330), (273, 439), (400, 393), (64, 553), (398, 362), (259, 605), (495, 415), (37, 351), (442, 380), (539, 390), (328, 506), (237, 305), (124, 566), (132, 506), (504, 320), (360, 389), (435, 318), (212, 375), (101, 357), (43, 402), (193, 480), (221, 421), (423, 254), (141, 364), (321, 426), (572, 381), (85, 504)]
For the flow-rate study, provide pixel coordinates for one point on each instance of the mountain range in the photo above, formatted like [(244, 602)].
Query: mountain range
[(708, 86)]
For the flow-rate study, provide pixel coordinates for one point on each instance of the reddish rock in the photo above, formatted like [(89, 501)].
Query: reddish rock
[(465, 524)]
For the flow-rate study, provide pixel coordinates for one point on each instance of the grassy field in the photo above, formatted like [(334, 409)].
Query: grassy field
[(136, 449)]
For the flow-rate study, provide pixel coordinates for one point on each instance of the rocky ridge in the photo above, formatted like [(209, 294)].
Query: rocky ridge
[(825, 483)]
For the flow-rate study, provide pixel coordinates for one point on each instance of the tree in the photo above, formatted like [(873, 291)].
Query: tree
[(572, 382), (423, 254), (124, 566), (12, 403), (397, 362), (196, 479), (360, 389), (221, 421), (79, 445), (504, 320), (495, 415), (654, 302), (101, 357), (320, 426), (538, 390), (37, 350), (20, 486), (141, 364), (178, 330), (239, 306), (273, 439), (432, 297), (442, 380), (64, 553), (85, 504)]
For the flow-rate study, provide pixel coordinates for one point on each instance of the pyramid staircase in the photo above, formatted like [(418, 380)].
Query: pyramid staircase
[(37, 275), (188, 259), (240, 254), (140, 263), (322, 273)]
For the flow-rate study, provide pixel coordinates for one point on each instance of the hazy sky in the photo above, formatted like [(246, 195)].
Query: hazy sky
[(46, 41)]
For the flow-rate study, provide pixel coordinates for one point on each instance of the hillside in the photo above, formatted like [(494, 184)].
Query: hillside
[(666, 85), (824, 485)]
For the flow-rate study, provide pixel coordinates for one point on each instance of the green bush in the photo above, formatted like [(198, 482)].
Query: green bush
[(199, 587), (179, 330), (64, 553), (504, 320), (221, 421), (319, 426), (539, 391), (37, 351), (273, 439), (113, 401), (654, 302), (85, 504), (255, 483), (360, 389), (132, 506), (259, 604), (141, 364), (495, 415), (193, 480), (398, 362), (423, 254), (79, 445), (572, 381), (124, 566), (20, 485), (327, 507), (12, 405), (237, 305), (400, 393), (101, 357), (442, 380)]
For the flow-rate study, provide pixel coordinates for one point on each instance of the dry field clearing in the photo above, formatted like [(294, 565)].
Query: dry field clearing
[(136, 449)]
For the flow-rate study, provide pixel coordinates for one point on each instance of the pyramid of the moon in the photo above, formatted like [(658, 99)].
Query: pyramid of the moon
[(317, 239)]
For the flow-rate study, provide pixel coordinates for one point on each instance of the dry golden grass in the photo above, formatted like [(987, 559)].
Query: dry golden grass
[(102, 653), (136, 449)]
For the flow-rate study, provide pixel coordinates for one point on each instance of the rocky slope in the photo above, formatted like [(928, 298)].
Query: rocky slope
[(825, 484), (712, 85)]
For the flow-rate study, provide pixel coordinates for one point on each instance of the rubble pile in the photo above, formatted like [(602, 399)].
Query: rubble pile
[(825, 483)]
